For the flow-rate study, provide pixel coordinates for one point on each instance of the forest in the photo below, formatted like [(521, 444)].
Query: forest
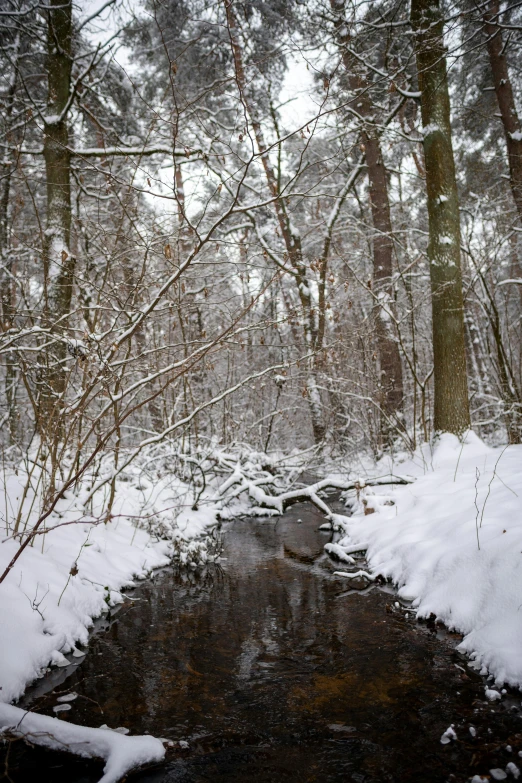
[(256, 254)]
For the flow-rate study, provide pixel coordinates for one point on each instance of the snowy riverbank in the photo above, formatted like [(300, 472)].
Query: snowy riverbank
[(74, 572), (452, 542)]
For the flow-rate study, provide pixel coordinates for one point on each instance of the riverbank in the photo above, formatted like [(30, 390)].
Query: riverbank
[(76, 570), (265, 667), (451, 541)]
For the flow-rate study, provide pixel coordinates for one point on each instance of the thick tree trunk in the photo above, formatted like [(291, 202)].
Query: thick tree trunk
[(391, 391), (451, 406), (506, 100), (57, 257)]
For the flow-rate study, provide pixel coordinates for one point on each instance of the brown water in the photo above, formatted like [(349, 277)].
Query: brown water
[(272, 669)]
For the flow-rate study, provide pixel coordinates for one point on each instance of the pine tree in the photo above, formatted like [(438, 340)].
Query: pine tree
[(451, 405)]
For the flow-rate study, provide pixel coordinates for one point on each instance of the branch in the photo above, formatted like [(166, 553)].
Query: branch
[(100, 152), (281, 502), (94, 15)]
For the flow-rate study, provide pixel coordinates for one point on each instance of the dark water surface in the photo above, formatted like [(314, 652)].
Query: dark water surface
[(272, 669)]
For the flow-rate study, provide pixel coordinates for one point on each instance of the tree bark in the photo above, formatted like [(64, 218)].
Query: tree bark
[(506, 100), (7, 292), (391, 380), (451, 405), (513, 134), (58, 260)]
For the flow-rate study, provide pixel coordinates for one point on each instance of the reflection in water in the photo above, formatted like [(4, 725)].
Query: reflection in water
[(272, 669)]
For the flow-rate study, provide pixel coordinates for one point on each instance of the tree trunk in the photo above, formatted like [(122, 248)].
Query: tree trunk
[(388, 347), (451, 406), (506, 101), (513, 133), (57, 257), (391, 381), (7, 292)]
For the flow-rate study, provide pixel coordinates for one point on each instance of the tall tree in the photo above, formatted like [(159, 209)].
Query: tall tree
[(451, 404), (8, 167), (513, 133), (506, 100), (57, 257), (387, 346)]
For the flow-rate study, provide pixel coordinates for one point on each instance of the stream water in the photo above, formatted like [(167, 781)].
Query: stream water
[(269, 668)]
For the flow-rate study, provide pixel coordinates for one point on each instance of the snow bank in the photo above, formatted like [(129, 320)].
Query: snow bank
[(120, 753), (452, 541), (77, 570), (45, 610)]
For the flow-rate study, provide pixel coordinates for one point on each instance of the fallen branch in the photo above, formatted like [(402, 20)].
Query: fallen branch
[(338, 553), (356, 575), (311, 494), (120, 753)]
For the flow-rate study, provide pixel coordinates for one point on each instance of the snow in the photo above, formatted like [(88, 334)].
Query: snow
[(76, 570), (355, 575), (452, 543), (428, 129), (295, 231), (448, 735), (62, 708), (492, 694), (338, 553), (67, 697), (157, 149), (120, 753)]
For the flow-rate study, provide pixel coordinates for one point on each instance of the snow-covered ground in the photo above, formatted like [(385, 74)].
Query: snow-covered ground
[(452, 542)]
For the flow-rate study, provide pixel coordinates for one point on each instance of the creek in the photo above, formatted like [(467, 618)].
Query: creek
[(269, 668)]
